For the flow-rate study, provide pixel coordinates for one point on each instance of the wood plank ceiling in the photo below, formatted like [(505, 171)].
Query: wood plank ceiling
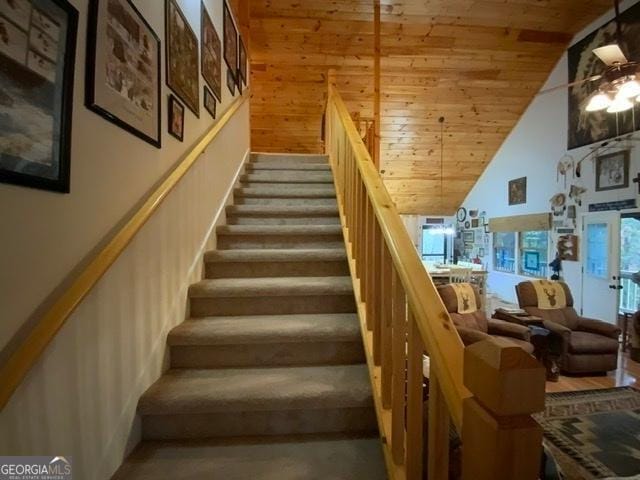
[(478, 63)]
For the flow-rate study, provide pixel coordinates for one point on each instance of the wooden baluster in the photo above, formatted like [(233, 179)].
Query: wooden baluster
[(386, 314), (347, 199), (352, 191), (369, 266), (364, 206), (438, 431), (376, 293), (355, 249), (415, 409), (399, 354), (499, 437)]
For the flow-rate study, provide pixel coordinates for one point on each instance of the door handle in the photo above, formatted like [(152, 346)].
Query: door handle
[(620, 287), (613, 287)]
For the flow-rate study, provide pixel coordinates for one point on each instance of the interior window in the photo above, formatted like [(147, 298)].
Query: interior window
[(504, 252), (434, 243), (534, 248), (629, 263)]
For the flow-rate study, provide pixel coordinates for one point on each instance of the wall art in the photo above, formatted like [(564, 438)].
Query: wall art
[(182, 57), (468, 236), (230, 39), (211, 54), (531, 261), (123, 69), (475, 222), (210, 102), (585, 127), (231, 82), (242, 61), (176, 118), (568, 247), (612, 171), (37, 55), (518, 191)]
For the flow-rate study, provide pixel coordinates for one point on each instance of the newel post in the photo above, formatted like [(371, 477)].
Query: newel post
[(500, 440)]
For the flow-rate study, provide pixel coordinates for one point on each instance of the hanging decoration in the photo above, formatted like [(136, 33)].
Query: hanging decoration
[(565, 165)]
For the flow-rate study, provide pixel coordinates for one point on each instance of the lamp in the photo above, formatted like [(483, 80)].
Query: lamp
[(620, 104), (599, 101), (630, 88)]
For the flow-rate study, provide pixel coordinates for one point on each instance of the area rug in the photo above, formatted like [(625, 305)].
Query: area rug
[(593, 434)]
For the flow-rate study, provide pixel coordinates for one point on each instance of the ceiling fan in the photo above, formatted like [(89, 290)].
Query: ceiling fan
[(618, 84)]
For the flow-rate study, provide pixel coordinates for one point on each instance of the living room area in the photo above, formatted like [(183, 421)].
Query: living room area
[(544, 252)]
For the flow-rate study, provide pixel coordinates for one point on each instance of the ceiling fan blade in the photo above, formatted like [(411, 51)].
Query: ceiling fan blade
[(569, 85), (611, 54)]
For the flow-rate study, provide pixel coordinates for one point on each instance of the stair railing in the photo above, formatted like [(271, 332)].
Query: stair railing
[(486, 392)]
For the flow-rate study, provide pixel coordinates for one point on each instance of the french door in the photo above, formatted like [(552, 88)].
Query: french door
[(601, 280)]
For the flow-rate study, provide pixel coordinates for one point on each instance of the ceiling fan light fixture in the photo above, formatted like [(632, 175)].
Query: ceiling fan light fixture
[(630, 88), (599, 101), (620, 104)]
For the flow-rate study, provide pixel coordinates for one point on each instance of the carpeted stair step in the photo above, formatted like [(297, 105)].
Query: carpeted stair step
[(205, 403), (269, 195), (290, 158), (274, 165), (267, 340), (313, 457), (275, 263), (288, 177), (271, 296), (231, 237), (282, 215)]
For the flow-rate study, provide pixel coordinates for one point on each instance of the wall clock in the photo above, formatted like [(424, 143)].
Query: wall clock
[(462, 214)]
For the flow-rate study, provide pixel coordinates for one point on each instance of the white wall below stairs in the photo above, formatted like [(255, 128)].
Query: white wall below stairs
[(80, 399)]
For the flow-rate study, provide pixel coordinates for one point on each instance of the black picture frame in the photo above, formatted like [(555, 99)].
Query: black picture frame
[(180, 90), (175, 104), (621, 167), (20, 171), (230, 34), (209, 102), (231, 82), (210, 51), (239, 82), (242, 60), (90, 76), (517, 191)]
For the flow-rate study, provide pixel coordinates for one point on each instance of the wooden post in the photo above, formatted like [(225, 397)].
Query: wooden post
[(415, 407), (398, 351), (386, 314), (438, 438), (376, 84), (499, 437)]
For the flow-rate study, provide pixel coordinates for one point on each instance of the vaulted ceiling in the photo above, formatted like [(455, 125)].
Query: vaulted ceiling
[(478, 63)]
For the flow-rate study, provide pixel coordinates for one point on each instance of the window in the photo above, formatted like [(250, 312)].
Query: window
[(504, 252), (598, 250), (534, 248), (434, 243)]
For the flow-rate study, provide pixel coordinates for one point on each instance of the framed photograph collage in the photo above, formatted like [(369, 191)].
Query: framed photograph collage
[(123, 82)]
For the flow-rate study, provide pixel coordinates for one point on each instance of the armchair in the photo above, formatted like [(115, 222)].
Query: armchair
[(475, 326), (587, 345)]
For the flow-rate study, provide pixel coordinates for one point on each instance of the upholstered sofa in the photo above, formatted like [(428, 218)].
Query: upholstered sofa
[(586, 345), (475, 326)]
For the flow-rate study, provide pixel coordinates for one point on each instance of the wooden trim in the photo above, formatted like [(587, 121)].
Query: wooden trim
[(27, 354), (521, 223), (438, 332), (376, 83)]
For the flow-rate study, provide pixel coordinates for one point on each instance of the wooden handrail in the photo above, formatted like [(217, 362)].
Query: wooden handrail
[(487, 391), (25, 356), (440, 337)]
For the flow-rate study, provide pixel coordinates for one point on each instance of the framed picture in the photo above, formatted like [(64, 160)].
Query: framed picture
[(584, 127), (468, 236), (518, 191), (231, 82), (182, 57), (467, 224), (37, 54), (123, 70), (239, 82), (176, 118), (210, 102), (242, 61), (211, 54), (475, 223), (481, 252), (531, 260), (230, 39), (612, 171)]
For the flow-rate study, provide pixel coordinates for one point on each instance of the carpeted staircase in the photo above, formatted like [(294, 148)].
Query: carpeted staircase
[(268, 378)]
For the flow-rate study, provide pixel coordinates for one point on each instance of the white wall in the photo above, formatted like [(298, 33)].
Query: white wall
[(533, 149), (79, 400), (45, 235)]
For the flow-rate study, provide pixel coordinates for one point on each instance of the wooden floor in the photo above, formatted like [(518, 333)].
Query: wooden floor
[(627, 374)]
